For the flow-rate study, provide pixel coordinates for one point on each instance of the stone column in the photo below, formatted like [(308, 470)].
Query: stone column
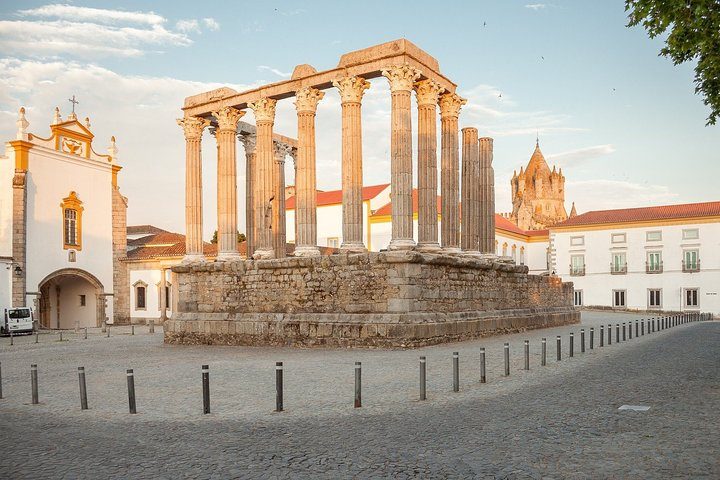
[(193, 128), (450, 104), (469, 232), (401, 78), (306, 100), (264, 193), (227, 119), (427, 97), (351, 92), (278, 219), (163, 296), (249, 144), (488, 199)]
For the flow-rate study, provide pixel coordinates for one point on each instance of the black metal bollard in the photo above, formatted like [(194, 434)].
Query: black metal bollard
[(592, 338), (527, 354), (37, 337), (132, 329), (653, 325), (483, 378), (108, 330), (131, 389), (358, 385), (278, 386), (205, 369), (624, 338), (617, 333), (507, 359), (636, 328), (543, 357), (609, 330), (85, 333), (0, 380), (630, 330), (558, 347), (572, 344), (34, 384), (61, 335), (12, 342), (602, 336), (423, 391), (642, 327), (456, 371), (582, 340), (152, 326), (83, 389)]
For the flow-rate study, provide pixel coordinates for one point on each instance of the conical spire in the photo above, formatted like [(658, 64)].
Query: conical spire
[(573, 212)]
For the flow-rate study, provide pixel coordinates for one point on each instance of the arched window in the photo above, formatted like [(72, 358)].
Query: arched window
[(497, 248), (505, 245), (522, 255), (514, 253), (140, 295), (72, 222)]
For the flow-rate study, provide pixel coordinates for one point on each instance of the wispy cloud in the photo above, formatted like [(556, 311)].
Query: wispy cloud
[(188, 26), (536, 6), (97, 15), (211, 24), (581, 155), (273, 70)]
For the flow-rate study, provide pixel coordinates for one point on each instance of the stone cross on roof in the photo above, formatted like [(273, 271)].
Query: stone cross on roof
[(74, 102)]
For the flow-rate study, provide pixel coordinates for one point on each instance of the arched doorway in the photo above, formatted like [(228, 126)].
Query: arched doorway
[(71, 298)]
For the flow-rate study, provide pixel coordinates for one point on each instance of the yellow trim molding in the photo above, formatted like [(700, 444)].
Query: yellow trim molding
[(22, 154)]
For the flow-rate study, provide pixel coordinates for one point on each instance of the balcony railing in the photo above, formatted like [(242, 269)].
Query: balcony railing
[(577, 270), (653, 267), (618, 269), (691, 266)]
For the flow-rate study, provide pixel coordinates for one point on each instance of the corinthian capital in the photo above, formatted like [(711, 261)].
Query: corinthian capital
[(227, 118), (307, 98), (351, 88), (264, 109), (281, 151), (249, 141), (401, 77), (193, 126), (428, 92), (450, 104)]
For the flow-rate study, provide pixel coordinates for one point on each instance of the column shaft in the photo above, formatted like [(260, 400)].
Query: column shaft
[(351, 92), (450, 105), (250, 160), (278, 219), (469, 238), (193, 128), (488, 205), (264, 193), (305, 174)]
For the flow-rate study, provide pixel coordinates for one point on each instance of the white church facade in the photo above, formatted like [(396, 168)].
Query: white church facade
[(62, 226)]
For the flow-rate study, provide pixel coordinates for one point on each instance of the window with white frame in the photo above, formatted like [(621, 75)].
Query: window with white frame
[(618, 238), (577, 241), (619, 298), (691, 234), (577, 265), (691, 260), (619, 262), (578, 298), (140, 295), (654, 298), (654, 262), (654, 236), (522, 255), (691, 297), (333, 242)]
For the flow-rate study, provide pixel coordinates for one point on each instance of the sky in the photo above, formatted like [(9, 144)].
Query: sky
[(623, 123)]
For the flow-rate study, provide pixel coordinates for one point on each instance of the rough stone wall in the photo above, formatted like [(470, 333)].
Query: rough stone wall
[(121, 274), (398, 298)]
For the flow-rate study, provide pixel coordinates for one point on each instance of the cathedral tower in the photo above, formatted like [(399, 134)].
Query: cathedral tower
[(538, 194)]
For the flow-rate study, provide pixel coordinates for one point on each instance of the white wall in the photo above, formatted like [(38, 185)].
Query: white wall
[(151, 277), (7, 166), (597, 284), (52, 176), (6, 272)]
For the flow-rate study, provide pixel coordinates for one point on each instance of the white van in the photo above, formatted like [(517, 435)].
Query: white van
[(16, 320)]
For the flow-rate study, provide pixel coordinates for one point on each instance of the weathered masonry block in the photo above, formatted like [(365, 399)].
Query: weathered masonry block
[(388, 299)]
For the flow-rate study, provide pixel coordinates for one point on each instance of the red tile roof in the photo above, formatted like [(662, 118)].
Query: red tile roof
[(143, 230), (158, 239), (500, 221), (334, 197), (644, 214)]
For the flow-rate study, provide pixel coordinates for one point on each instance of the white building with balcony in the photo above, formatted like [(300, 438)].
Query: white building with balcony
[(653, 258)]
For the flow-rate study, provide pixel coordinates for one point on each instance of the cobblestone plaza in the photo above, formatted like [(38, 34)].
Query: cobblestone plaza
[(557, 421)]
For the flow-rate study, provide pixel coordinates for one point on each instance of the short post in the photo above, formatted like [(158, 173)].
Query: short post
[(37, 337), (423, 391), (85, 333), (456, 371), (617, 333), (592, 338), (358, 385), (11, 339), (572, 344), (559, 351), (527, 354), (83, 389), (483, 378), (152, 325), (624, 337), (132, 329), (34, 383), (653, 325), (0, 380), (543, 354), (507, 359), (609, 330), (108, 331), (602, 336), (278, 386), (642, 327), (636, 328), (629, 330), (104, 326), (582, 340), (206, 388), (131, 390), (61, 335)]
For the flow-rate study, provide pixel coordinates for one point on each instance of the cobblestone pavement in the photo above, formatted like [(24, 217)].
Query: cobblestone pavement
[(558, 421)]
